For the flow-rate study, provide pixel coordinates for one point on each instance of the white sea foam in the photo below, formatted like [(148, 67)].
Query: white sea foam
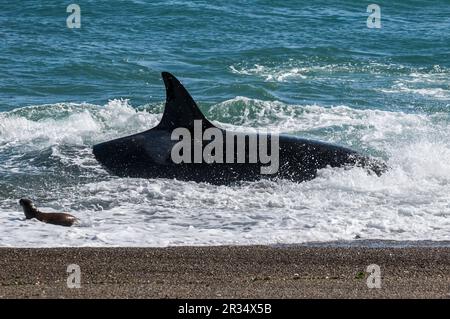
[(271, 74), (429, 84), (71, 123), (409, 202), (436, 92), (295, 70)]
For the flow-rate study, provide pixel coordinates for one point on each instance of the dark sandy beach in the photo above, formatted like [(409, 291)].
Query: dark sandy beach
[(226, 272)]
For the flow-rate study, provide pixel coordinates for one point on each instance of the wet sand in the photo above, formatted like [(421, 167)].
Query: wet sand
[(226, 272)]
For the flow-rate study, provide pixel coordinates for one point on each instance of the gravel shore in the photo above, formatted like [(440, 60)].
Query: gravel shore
[(225, 272)]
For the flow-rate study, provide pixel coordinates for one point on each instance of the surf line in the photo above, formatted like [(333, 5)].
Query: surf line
[(233, 147)]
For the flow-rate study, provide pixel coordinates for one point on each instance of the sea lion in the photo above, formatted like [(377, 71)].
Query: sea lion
[(31, 211)]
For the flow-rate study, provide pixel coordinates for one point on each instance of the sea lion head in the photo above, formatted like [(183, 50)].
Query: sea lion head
[(28, 208)]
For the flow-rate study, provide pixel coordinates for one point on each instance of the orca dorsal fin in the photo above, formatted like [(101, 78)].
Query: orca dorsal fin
[(180, 109)]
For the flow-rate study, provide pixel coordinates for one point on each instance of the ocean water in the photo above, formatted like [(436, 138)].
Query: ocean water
[(308, 68)]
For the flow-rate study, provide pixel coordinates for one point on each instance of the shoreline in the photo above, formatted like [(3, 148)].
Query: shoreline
[(288, 271), (355, 243)]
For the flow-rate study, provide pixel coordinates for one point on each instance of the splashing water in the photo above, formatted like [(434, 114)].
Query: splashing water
[(46, 154)]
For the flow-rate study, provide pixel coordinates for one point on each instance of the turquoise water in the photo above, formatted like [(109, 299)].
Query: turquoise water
[(307, 68), (291, 51)]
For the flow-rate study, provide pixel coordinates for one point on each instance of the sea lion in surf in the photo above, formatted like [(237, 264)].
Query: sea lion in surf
[(62, 219)]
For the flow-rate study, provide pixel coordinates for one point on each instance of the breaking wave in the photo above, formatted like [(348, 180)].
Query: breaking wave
[(46, 154)]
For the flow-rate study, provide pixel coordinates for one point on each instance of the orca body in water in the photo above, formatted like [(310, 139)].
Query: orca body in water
[(186, 146)]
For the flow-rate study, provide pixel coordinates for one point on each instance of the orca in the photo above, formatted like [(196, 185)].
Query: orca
[(186, 146)]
